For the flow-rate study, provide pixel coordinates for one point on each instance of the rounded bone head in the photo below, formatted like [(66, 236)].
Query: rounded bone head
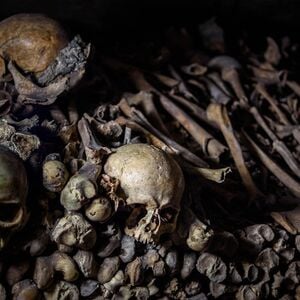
[(13, 190), (153, 184), (224, 62)]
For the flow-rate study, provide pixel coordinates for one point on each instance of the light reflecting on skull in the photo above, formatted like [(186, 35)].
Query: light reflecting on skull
[(153, 184)]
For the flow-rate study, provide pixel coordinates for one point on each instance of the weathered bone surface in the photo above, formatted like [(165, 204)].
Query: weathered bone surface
[(31, 40), (153, 184), (13, 193), (36, 44)]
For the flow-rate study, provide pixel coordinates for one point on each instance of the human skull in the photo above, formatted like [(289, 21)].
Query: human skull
[(32, 41), (153, 184), (13, 193)]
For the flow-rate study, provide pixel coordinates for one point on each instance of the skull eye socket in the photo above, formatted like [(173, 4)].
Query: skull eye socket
[(8, 211), (168, 214)]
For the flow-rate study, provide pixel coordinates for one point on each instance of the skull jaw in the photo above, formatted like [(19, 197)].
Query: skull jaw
[(149, 228), (9, 227), (143, 229), (16, 222)]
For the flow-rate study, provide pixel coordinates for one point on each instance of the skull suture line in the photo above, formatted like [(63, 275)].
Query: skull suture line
[(153, 184), (13, 193)]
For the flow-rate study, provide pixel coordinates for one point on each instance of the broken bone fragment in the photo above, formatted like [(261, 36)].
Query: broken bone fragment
[(23, 144), (13, 193), (45, 87), (153, 184), (74, 231)]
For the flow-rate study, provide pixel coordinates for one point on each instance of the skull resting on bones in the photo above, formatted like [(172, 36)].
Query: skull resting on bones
[(153, 184), (13, 193)]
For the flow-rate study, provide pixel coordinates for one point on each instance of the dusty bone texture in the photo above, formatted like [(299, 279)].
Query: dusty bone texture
[(154, 182), (71, 58), (31, 40)]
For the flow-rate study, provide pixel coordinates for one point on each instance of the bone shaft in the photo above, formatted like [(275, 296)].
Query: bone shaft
[(278, 145), (273, 103), (149, 107), (285, 178), (294, 86), (232, 77), (142, 121), (195, 110), (208, 143), (219, 114)]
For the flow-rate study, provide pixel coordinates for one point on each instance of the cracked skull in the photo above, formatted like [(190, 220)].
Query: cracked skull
[(13, 193), (153, 185)]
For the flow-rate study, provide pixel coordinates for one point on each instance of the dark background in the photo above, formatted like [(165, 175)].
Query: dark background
[(121, 17)]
